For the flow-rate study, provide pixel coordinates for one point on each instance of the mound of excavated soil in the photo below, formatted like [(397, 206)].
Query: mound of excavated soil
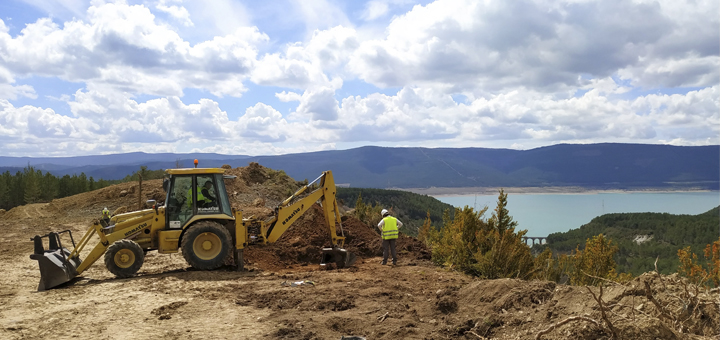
[(302, 243), (365, 241), (81, 209), (255, 182)]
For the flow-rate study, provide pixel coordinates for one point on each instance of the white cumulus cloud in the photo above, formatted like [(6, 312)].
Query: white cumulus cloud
[(178, 12), (249, 78)]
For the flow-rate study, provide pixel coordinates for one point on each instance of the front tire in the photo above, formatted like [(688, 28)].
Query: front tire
[(205, 245), (124, 258)]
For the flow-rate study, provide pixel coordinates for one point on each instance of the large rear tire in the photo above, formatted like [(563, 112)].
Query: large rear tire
[(206, 244), (124, 258)]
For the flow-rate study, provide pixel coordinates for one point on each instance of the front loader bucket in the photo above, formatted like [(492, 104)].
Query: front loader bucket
[(56, 265), (340, 257)]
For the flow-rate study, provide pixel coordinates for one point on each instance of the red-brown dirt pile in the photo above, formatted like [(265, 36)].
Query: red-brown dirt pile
[(302, 243), (365, 241), (257, 190)]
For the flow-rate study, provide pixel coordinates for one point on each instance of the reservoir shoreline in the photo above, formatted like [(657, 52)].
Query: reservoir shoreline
[(546, 213), (557, 190)]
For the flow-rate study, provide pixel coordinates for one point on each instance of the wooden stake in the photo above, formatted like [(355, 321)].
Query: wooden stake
[(140, 192)]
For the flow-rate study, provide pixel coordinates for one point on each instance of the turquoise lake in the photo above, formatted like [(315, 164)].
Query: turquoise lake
[(543, 214)]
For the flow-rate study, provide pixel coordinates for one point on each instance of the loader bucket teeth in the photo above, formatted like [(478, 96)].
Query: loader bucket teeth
[(56, 265), (340, 257)]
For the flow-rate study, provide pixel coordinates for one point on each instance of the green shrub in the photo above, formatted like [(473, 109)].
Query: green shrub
[(485, 248)]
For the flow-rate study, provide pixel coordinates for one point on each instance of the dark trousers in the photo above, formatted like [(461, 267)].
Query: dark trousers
[(389, 247)]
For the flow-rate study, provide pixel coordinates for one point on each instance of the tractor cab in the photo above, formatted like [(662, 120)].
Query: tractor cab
[(194, 193)]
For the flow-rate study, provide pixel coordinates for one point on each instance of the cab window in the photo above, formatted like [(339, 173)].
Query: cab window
[(179, 209), (224, 204), (207, 197)]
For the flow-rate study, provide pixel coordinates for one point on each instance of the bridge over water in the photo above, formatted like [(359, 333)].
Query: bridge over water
[(540, 240)]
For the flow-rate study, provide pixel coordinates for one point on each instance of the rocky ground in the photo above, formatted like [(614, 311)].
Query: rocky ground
[(286, 295)]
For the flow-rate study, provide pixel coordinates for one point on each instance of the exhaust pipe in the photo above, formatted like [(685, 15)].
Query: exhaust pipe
[(56, 265)]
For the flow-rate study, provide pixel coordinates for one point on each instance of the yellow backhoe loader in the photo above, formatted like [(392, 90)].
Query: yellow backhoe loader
[(196, 219)]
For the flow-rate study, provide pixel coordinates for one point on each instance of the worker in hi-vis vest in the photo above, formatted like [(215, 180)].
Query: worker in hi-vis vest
[(105, 221), (389, 229), (204, 199)]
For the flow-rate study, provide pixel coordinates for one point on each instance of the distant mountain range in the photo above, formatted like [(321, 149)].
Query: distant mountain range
[(115, 166), (607, 166)]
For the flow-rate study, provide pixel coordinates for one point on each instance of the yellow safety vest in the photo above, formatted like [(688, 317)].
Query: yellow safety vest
[(390, 230), (200, 196)]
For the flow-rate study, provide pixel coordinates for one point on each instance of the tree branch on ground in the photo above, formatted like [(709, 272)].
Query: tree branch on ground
[(569, 319), (475, 334), (658, 273), (598, 299), (660, 308)]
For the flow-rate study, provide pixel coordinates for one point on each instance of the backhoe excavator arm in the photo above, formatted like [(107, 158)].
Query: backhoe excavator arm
[(288, 213)]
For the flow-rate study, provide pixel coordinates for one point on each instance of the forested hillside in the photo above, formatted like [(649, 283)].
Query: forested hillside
[(642, 237), (410, 208), (31, 185), (601, 166)]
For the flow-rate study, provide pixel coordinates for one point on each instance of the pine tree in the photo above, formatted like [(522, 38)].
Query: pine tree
[(144, 172), (427, 233), (48, 186), (17, 190), (458, 245), (503, 253), (82, 183), (712, 256), (360, 208), (546, 267), (501, 219), (32, 192), (486, 248), (596, 260), (4, 191), (65, 186)]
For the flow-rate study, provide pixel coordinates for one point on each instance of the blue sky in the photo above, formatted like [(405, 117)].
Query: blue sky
[(247, 77)]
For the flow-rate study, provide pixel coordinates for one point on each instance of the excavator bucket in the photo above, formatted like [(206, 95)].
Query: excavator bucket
[(340, 257), (56, 265)]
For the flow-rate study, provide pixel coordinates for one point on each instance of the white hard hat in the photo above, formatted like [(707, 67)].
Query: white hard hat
[(384, 212)]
